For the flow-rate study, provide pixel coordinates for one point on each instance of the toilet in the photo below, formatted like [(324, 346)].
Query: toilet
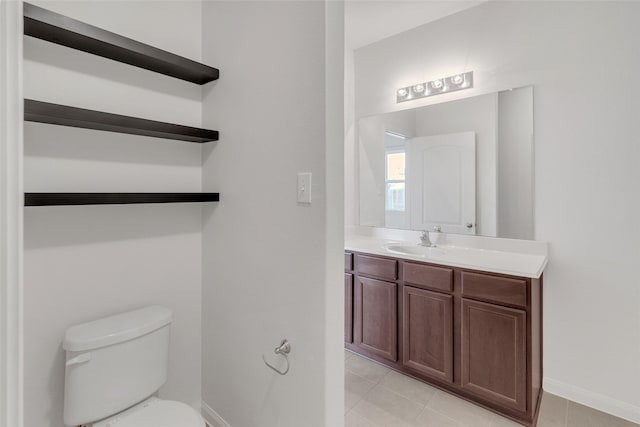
[(113, 368)]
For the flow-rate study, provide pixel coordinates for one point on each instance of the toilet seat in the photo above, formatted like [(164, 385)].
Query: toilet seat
[(155, 412)]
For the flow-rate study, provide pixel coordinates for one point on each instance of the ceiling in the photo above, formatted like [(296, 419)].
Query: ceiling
[(368, 21)]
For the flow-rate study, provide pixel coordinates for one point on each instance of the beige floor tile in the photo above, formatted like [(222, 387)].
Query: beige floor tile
[(355, 388), (461, 411), (553, 411), (365, 368), (583, 416), (496, 420), (394, 404), (429, 418), (379, 416), (357, 384), (353, 419), (405, 386), (350, 400), (543, 422), (375, 396)]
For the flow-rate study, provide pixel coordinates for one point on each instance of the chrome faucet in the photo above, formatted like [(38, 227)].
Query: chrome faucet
[(424, 238)]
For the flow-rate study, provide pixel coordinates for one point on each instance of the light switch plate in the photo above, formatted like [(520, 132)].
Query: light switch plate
[(304, 187)]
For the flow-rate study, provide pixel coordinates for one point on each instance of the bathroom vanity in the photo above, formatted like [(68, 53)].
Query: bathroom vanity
[(474, 332)]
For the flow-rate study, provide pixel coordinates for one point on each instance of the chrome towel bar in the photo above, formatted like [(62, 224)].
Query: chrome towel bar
[(283, 349)]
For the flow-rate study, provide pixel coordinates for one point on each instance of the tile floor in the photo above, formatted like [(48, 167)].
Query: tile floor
[(376, 396)]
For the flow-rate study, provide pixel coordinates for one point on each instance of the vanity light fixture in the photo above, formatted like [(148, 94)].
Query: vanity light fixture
[(435, 87)]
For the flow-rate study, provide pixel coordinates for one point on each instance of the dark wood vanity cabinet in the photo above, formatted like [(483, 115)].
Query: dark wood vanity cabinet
[(427, 333), (375, 306), (348, 298), (348, 307), (494, 353), (375, 310), (472, 333)]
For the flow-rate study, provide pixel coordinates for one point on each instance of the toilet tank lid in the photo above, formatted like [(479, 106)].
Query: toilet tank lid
[(115, 329)]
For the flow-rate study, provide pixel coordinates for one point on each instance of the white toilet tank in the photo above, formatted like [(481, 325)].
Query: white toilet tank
[(114, 363)]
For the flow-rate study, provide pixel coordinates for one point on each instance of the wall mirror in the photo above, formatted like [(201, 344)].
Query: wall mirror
[(464, 165)]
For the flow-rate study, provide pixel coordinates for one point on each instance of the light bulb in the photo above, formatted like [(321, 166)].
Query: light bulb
[(436, 84), (402, 92), (457, 79), (419, 88)]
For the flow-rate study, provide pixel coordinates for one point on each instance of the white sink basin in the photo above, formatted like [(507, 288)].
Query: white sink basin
[(415, 250), (529, 263)]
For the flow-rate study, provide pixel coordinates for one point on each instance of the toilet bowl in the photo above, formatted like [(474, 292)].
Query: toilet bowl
[(155, 412), (115, 365)]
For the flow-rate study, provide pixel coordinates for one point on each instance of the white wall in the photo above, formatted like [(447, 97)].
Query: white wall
[(11, 214), (581, 58), (87, 262), (351, 181), (270, 265)]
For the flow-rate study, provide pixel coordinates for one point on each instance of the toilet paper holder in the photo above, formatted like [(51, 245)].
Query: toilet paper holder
[(283, 349)]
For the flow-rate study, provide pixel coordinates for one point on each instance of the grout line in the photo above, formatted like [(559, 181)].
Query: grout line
[(370, 361), (383, 377), (361, 377), (445, 415), (424, 408), (403, 396)]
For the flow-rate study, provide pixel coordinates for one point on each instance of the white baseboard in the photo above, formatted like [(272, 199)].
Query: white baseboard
[(212, 417), (593, 400)]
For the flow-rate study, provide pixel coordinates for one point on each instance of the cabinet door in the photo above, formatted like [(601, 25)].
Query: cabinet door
[(375, 324), (427, 328), (348, 308), (494, 353)]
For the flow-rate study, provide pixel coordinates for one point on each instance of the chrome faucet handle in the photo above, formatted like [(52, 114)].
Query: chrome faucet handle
[(437, 229)]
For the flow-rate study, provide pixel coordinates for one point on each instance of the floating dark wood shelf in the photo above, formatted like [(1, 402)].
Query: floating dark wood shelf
[(60, 199), (64, 115), (53, 27)]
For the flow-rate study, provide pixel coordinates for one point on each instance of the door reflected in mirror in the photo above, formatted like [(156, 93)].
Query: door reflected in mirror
[(465, 166)]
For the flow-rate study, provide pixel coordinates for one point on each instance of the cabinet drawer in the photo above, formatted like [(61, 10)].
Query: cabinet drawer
[(348, 261), (428, 276), (494, 288), (379, 267)]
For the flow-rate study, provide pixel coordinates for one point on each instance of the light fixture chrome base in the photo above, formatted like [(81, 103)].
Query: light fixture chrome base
[(435, 87)]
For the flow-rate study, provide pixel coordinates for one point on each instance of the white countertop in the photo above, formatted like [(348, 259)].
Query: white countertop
[(495, 261)]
